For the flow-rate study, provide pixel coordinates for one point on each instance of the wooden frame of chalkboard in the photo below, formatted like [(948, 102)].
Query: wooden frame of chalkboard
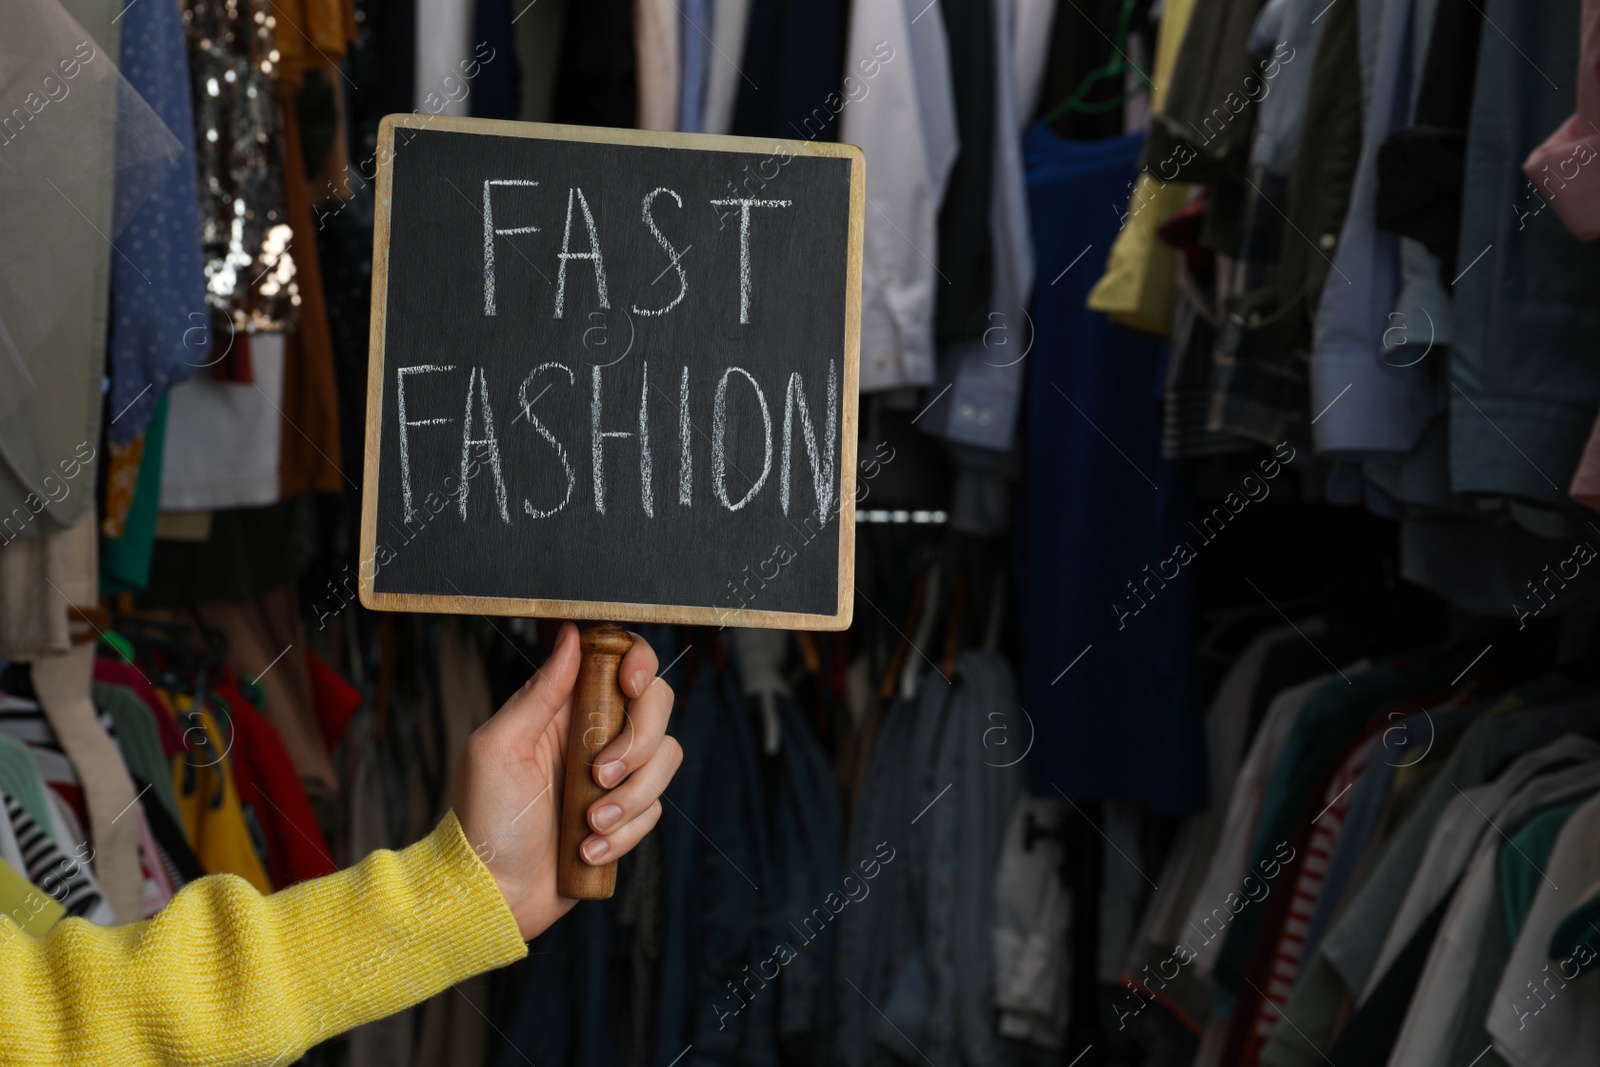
[(615, 609)]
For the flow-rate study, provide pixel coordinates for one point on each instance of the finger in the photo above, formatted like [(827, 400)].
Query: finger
[(629, 800), (638, 666), (597, 849), (640, 738), (532, 707)]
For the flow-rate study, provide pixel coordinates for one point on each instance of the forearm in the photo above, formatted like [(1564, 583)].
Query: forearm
[(225, 975)]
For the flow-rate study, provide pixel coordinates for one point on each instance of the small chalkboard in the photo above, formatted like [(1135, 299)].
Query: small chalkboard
[(613, 375)]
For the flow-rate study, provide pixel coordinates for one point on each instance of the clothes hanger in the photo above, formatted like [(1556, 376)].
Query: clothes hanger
[(918, 641), (891, 674), (211, 663), (98, 620), (1116, 67), (1217, 622), (162, 645)]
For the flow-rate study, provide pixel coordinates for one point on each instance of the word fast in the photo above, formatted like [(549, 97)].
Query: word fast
[(596, 257)]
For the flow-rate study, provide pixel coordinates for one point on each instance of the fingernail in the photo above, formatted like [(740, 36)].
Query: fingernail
[(604, 816), (641, 678), (595, 849), (610, 773)]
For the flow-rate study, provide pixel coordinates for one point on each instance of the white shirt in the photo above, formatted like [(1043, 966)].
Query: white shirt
[(1035, 19), (906, 125), (655, 45), (1229, 863), (222, 437), (722, 75), (1227, 729), (444, 42)]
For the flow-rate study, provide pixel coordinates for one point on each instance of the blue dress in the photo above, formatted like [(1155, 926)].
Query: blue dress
[(160, 322), (1100, 506)]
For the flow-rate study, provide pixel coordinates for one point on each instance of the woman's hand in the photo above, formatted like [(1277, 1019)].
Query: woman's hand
[(509, 785)]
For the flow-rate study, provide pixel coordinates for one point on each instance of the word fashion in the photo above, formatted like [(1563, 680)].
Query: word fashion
[(738, 402)]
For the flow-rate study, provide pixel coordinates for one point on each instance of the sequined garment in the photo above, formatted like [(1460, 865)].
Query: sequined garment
[(244, 228)]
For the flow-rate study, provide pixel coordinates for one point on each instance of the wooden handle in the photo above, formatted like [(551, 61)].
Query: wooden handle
[(597, 713)]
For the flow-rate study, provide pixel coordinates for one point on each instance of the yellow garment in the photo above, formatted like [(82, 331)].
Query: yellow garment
[(1511, 701), (309, 33), (224, 975), (1141, 271), (208, 803), (25, 904)]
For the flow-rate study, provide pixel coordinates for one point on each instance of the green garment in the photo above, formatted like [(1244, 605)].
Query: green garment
[(125, 560), (1579, 931), (20, 780), (140, 741), (1522, 861)]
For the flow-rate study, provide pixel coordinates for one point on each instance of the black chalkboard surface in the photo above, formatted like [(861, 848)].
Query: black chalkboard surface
[(613, 375)]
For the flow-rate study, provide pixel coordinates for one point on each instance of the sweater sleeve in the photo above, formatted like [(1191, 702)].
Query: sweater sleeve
[(225, 975)]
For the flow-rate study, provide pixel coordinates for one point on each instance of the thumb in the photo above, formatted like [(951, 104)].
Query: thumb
[(531, 709)]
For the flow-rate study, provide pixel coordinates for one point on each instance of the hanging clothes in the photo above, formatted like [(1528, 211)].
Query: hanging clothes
[(920, 948), (1081, 572), (1567, 1028), (1533, 280), (657, 27), (294, 842), (139, 739), (598, 78), (694, 42), (717, 933), (443, 42), (1137, 287), (729, 22), (224, 438), (269, 633), (1032, 913), (1436, 1013), (906, 121), (65, 881), (250, 268), (63, 684), (1575, 144), (1346, 961), (208, 800), (983, 326), (1186, 879), (20, 781), (52, 354), (1392, 404), (158, 308), (309, 460), (125, 558), (496, 91), (1260, 391), (794, 52)]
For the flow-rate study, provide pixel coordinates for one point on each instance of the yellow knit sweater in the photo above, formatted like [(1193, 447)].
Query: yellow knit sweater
[(224, 975)]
